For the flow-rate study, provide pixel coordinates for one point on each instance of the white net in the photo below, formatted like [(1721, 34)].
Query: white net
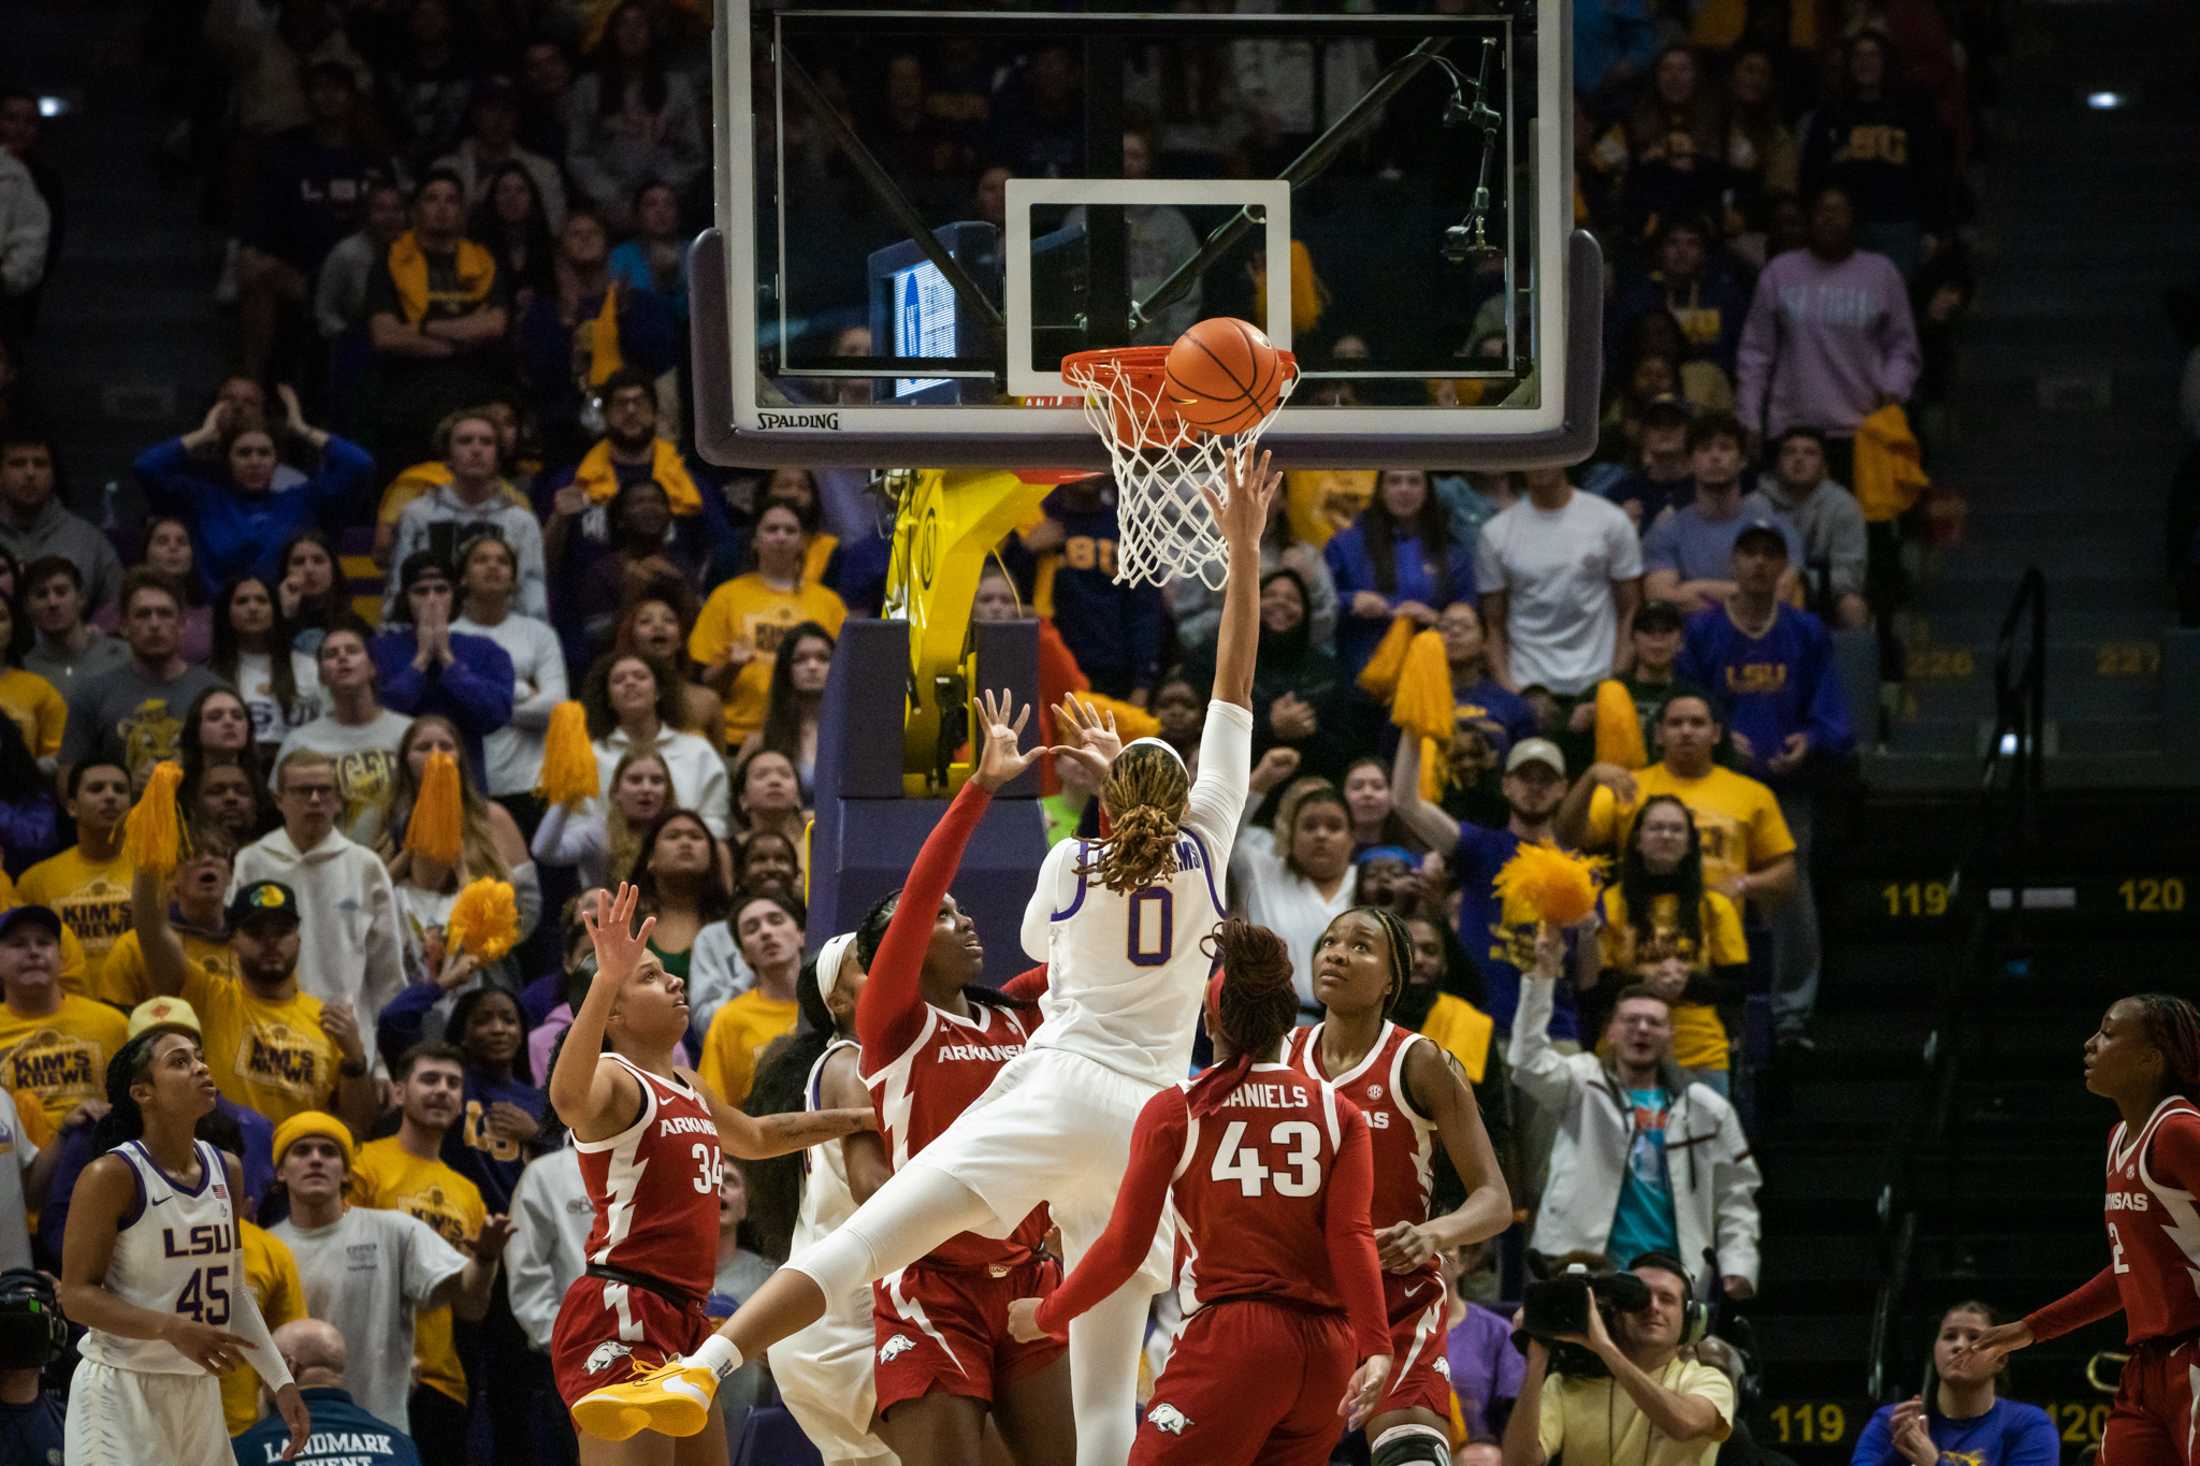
[(1164, 531)]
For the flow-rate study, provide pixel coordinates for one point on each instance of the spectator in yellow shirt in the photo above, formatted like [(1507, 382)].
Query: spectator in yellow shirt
[(89, 887), (404, 1172), (1664, 929), (198, 913), (54, 1045), (744, 620), (30, 701), (768, 931), (271, 1047), (1748, 854)]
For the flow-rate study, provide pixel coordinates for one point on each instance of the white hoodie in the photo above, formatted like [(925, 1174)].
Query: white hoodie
[(551, 1215), (349, 949), (1714, 1179)]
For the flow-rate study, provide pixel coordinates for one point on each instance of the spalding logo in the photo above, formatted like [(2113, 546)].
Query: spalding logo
[(606, 1354), (894, 1348), (1168, 1418)]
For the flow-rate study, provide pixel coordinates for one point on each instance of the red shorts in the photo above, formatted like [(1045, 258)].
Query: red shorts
[(1420, 1371), (946, 1329), (609, 1332), (2156, 1418), (1206, 1409)]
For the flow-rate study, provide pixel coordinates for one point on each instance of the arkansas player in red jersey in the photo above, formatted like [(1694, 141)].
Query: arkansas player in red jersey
[(1267, 1176), (2146, 1058), (932, 1043), (1413, 1097), (649, 1139)]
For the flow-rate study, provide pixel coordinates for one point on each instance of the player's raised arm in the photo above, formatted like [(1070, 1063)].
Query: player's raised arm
[(752, 1138), (1243, 516), (588, 1094)]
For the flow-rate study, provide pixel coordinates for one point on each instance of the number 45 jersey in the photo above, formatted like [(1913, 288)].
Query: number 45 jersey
[(175, 1252), (655, 1187)]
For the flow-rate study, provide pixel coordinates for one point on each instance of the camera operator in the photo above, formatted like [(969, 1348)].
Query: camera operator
[(1654, 1408), (1645, 1160), (32, 1336)]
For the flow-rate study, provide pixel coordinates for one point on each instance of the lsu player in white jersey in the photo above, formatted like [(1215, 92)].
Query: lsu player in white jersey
[(150, 1268), (1120, 921)]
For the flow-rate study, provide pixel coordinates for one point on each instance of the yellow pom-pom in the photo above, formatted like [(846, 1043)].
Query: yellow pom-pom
[(484, 919), (437, 828), (1559, 888), (1619, 727), (153, 835), (1379, 678), (1423, 703), (568, 761)]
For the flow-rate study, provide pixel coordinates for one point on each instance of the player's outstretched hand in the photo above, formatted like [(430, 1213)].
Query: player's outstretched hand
[(1089, 736), (999, 760), (1365, 1391), (296, 1419), (1995, 1345), (619, 944), (1243, 516), (1023, 1321)]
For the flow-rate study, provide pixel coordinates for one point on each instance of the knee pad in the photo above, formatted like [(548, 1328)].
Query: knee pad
[(1411, 1445), (839, 1262)]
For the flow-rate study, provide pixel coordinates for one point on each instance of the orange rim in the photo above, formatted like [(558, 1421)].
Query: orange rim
[(1143, 368)]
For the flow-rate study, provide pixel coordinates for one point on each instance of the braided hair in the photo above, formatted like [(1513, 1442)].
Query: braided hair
[(1144, 796), (1253, 1003), (125, 1120), (2172, 1027), (872, 933)]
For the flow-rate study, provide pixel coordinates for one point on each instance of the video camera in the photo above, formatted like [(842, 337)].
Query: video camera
[(32, 1331), (1554, 1306)]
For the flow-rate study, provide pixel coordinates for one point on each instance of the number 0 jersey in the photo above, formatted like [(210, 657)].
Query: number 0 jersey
[(175, 1252), (1126, 970), (655, 1187)]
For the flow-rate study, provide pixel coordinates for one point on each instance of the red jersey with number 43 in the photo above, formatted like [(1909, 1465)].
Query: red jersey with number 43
[(920, 1091), (2154, 1222), (655, 1187), (1402, 1140)]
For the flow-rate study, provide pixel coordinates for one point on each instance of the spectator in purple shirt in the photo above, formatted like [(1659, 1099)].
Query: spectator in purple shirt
[(1486, 1369), (1829, 339), (425, 667)]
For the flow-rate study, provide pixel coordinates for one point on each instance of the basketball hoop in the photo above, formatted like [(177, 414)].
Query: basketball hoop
[(1164, 531)]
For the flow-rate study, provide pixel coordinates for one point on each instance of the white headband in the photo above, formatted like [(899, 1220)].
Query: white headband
[(830, 959), (1155, 743)]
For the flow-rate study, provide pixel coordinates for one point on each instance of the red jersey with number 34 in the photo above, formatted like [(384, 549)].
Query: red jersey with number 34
[(1401, 1138), (2154, 1221), (655, 1187)]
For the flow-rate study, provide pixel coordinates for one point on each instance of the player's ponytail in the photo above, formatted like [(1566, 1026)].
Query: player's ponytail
[(1251, 1003), (1144, 796), (2172, 1026)]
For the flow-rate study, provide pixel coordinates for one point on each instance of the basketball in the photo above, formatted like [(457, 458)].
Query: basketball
[(1222, 376)]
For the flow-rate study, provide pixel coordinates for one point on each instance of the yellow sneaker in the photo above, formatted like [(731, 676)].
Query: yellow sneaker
[(672, 1399)]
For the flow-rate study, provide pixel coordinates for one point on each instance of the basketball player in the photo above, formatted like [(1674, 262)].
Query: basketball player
[(1119, 921), (150, 1268), (649, 1139), (2146, 1058), (1267, 1174), (1413, 1095), (824, 1372), (933, 1040)]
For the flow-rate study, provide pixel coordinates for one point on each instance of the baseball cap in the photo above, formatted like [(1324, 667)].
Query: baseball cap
[(16, 916), (163, 1013), (313, 1122), (261, 900), (1536, 751), (1762, 531), (1667, 408), (1659, 616), (420, 564)]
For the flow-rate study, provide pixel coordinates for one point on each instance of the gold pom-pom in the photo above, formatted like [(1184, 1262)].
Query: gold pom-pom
[(568, 761), (153, 834), (1423, 703), (1559, 888), (437, 828), (484, 919), (1619, 727), (1379, 678)]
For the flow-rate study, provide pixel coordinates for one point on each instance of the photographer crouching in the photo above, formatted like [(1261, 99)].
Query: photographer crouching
[(1624, 1395)]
